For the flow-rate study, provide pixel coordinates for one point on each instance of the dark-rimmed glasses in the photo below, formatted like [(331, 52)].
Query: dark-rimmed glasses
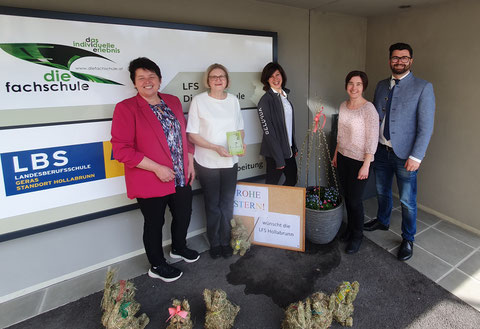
[(403, 59)]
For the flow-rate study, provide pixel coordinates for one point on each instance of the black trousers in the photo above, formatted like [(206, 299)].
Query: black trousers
[(153, 210), (218, 186), (273, 174), (353, 189)]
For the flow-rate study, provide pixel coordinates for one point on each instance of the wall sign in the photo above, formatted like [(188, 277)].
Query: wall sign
[(62, 75)]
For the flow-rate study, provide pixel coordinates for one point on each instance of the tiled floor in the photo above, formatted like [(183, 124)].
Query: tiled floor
[(445, 253)]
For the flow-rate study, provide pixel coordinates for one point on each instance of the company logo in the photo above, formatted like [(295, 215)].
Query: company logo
[(97, 46), (57, 57), (39, 169)]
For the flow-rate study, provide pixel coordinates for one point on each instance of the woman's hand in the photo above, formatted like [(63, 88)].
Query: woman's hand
[(244, 150), (221, 151), (334, 160), (164, 173), (363, 172), (365, 168), (202, 142), (191, 169)]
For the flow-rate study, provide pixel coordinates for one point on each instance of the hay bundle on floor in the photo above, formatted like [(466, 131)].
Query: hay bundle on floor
[(314, 313), (122, 316), (119, 306), (322, 307), (180, 315), (344, 296), (221, 312), (239, 238), (297, 316)]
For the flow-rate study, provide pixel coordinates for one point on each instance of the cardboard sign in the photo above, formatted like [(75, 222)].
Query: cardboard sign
[(274, 215)]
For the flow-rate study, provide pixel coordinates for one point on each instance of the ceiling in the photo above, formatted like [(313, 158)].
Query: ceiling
[(357, 7)]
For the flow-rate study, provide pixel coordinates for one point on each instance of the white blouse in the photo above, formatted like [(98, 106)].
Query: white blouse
[(212, 118)]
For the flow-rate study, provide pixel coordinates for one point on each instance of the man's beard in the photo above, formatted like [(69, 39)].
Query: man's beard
[(400, 68)]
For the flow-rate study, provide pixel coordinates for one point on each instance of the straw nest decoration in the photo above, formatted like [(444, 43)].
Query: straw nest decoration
[(119, 306), (180, 315), (221, 312), (314, 313), (345, 294), (319, 310), (240, 238)]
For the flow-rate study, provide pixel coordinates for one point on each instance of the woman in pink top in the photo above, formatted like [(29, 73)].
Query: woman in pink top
[(357, 141)]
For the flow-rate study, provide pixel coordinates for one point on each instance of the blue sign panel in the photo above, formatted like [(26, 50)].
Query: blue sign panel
[(34, 170)]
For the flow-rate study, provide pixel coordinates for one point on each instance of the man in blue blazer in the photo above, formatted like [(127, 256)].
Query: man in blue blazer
[(406, 107)]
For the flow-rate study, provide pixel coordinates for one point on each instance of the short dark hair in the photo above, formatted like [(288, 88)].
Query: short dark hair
[(360, 74), (143, 63), (268, 71), (400, 46)]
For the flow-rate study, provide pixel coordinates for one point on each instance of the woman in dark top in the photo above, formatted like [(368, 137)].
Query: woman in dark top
[(278, 123)]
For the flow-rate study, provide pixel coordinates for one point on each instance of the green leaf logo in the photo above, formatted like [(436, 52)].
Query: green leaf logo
[(55, 56)]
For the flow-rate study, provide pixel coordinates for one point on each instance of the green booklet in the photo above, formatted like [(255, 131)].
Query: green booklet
[(234, 141)]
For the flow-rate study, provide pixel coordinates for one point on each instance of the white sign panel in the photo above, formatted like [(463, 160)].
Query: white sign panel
[(70, 68), (278, 229), (52, 63)]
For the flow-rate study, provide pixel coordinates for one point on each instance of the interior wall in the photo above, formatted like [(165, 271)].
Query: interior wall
[(51, 256), (337, 46), (444, 39)]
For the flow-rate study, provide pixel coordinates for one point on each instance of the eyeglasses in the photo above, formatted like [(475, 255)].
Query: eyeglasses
[(217, 77), (403, 59)]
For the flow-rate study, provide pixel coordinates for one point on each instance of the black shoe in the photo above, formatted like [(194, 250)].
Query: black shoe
[(186, 254), (227, 251), (353, 245), (374, 225), (406, 250), (215, 252), (346, 235), (165, 272)]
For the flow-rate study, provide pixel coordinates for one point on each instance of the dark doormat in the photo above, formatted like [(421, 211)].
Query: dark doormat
[(392, 294)]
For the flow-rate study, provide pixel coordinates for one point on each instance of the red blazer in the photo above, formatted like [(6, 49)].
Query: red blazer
[(136, 132)]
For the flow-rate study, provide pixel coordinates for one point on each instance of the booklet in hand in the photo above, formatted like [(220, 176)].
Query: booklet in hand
[(234, 141)]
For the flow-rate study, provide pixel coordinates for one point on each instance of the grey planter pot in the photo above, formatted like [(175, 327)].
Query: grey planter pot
[(321, 226)]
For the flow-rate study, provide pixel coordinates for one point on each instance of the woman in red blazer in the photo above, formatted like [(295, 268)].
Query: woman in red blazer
[(148, 137)]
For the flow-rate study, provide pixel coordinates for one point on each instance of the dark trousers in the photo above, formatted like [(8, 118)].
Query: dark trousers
[(153, 210), (353, 189), (218, 185), (273, 174)]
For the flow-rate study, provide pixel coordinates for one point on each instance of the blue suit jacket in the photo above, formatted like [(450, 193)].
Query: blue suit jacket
[(411, 114)]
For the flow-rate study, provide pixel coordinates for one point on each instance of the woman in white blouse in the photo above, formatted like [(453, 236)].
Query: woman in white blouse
[(357, 141), (212, 114)]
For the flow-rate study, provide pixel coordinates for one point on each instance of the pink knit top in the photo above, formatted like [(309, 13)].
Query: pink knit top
[(357, 131)]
